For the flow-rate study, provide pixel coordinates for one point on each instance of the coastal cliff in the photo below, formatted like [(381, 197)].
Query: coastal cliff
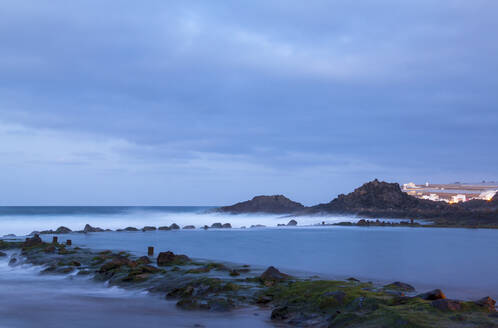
[(277, 204)]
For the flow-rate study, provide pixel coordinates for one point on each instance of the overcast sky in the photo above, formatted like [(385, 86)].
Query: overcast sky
[(212, 102)]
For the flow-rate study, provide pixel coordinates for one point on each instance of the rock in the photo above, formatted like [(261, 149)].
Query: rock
[(234, 273), (130, 229), (353, 279), (115, 263), (447, 305), (258, 226), (89, 228), (221, 304), (149, 228), (164, 228), (488, 303), (292, 223), (277, 204), (62, 230), (34, 233), (174, 226), (189, 227), (216, 225), (143, 260), (397, 285), (9, 235), (169, 258), (34, 241), (205, 227), (2, 254), (226, 226), (432, 295), (337, 295), (272, 274), (280, 313), (12, 261)]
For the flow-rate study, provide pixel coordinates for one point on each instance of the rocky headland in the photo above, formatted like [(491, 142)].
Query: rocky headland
[(211, 286), (378, 199)]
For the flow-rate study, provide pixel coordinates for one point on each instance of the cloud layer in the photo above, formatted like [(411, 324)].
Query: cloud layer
[(106, 102)]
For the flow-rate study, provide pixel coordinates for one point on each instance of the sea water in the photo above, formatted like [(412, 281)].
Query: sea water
[(462, 262)]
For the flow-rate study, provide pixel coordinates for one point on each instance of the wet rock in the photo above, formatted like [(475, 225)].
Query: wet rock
[(221, 304), (432, 295), (149, 228), (205, 227), (189, 227), (337, 295), (89, 228), (130, 229), (401, 286), (169, 258), (488, 303), (353, 279), (2, 254), (292, 223), (272, 274), (143, 260), (174, 226), (192, 304), (34, 241), (258, 226), (216, 225), (277, 204), (234, 273), (164, 228), (264, 299), (280, 313), (226, 226), (13, 261), (62, 230), (447, 305), (115, 263)]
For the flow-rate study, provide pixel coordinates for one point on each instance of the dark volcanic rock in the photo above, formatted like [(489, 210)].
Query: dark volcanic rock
[(432, 295), (164, 228), (2, 254), (226, 226), (62, 230), (447, 305), (189, 227), (397, 285), (488, 303), (169, 258), (34, 241), (264, 204), (130, 229), (217, 225), (89, 228), (292, 223), (272, 274), (174, 226), (149, 228)]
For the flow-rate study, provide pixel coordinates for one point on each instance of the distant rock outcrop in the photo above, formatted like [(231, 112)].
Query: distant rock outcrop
[(277, 204)]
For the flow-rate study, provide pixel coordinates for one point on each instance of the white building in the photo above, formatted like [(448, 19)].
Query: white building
[(433, 197), (458, 198), (409, 185), (488, 194)]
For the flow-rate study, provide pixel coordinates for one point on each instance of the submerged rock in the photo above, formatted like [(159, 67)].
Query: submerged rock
[(169, 258)]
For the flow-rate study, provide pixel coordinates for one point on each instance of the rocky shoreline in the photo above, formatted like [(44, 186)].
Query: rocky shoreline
[(213, 286)]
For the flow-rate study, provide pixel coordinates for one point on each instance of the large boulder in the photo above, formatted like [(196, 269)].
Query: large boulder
[(217, 225), (292, 223), (149, 228), (189, 227), (277, 204), (226, 226), (170, 258), (115, 263), (400, 286), (174, 226)]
